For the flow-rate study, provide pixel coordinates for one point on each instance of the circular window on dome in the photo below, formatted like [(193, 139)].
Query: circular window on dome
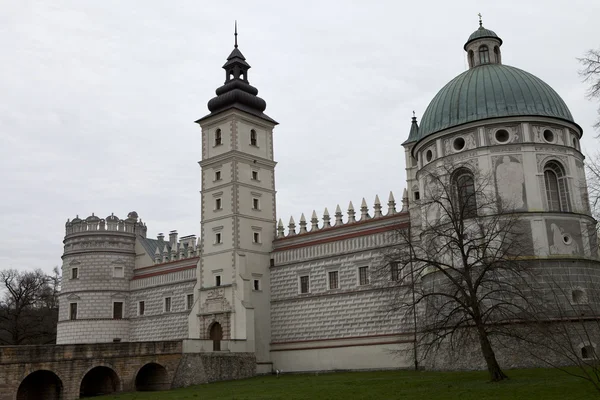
[(502, 136), (458, 144), (567, 238), (429, 155), (549, 136)]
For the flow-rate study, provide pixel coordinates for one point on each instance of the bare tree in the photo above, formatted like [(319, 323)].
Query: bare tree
[(29, 307), (591, 74), (462, 264)]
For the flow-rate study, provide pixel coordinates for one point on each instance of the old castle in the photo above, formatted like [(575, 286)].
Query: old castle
[(305, 298)]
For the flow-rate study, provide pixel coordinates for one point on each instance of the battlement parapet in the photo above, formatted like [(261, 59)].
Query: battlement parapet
[(112, 223), (339, 217)]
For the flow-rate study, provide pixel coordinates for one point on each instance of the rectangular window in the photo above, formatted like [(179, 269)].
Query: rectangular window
[(254, 175), (141, 308), (217, 175), (118, 272), (304, 284), (333, 280), (363, 276), (74, 273), (118, 310), (255, 204), (218, 238), (253, 140), (189, 301), (167, 304), (217, 280), (256, 284), (218, 139), (395, 271), (256, 237), (218, 205), (73, 311)]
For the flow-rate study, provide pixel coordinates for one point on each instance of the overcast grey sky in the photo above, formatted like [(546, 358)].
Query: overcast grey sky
[(99, 98)]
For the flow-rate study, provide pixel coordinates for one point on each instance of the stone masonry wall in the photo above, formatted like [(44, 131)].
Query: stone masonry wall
[(195, 369)]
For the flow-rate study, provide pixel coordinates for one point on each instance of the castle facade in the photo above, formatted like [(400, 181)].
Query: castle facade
[(306, 297)]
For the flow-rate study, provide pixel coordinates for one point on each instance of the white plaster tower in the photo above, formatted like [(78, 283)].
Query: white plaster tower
[(238, 217)]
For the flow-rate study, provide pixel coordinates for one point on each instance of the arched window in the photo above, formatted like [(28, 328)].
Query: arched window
[(218, 139), (464, 188), (496, 54), (557, 192), (253, 141), (484, 54), (471, 58)]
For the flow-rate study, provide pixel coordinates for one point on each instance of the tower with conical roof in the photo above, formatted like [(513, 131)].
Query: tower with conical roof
[(238, 217)]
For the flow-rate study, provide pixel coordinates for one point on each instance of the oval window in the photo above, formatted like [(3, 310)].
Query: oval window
[(429, 155), (458, 144), (549, 136), (502, 136)]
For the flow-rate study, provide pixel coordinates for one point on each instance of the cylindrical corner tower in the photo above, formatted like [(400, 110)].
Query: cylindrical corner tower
[(98, 262)]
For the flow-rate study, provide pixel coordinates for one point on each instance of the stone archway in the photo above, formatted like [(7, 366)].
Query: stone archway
[(152, 377), (40, 385), (216, 335), (99, 381)]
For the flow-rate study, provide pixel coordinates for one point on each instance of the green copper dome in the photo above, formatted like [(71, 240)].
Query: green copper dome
[(490, 91), (482, 33)]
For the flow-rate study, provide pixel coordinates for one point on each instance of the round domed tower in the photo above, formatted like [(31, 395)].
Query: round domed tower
[(498, 121), (98, 262)]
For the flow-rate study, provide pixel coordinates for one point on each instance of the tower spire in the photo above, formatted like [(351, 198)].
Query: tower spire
[(235, 35), (480, 21)]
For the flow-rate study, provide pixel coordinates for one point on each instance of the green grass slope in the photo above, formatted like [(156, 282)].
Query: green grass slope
[(546, 384)]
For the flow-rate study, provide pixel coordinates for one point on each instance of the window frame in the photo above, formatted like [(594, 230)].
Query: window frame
[(189, 305), (300, 291), (254, 175), (337, 279), (218, 138), (256, 238), (253, 138), (122, 316), (118, 267), (141, 308), (363, 276), (73, 315), (167, 301), (466, 201), (218, 204), (218, 175), (559, 201), (484, 54), (74, 272), (218, 238), (256, 203), (256, 286), (218, 280)]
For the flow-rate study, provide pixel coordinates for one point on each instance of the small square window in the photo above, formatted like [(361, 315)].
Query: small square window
[(218, 204), (304, 284), (363, 276), (255, 204), (217, 280), (254, 175), (118, 310), (118, 272), (141, 307), (218, 238), (333, 280), (189, 301), (74, 273), (73, 311), (256, 285), (256, 237), (217, 175), (167, 304)]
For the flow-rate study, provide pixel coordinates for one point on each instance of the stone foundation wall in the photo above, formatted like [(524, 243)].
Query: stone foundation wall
[(198, 368)]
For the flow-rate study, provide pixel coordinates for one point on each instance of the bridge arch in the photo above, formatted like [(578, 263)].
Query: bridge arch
[(152, 377), (99, 380), (40, 385)]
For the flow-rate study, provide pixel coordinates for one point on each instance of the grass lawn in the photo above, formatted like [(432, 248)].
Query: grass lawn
[(546, 384)]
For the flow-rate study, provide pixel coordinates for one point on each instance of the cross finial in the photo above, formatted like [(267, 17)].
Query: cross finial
[(235, 34), (480, 21), (414, 115)]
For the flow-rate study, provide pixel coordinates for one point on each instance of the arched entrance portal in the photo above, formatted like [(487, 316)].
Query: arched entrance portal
[(99, 381), (216, 335), (152, 377), (40, 385)]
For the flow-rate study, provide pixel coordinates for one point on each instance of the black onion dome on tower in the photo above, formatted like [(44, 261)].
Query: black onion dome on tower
[(237, 92)]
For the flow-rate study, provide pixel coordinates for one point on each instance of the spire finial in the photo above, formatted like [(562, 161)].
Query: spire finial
[(480, 21), (235, 34)]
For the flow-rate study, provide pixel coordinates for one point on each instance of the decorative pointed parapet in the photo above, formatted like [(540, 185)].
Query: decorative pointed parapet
[(405, 200), (377, 207), (326, 219), (351, 213), (174, 252), (338, 216), (181, 251), (165, 253), (314, 222), (157, 257), (364, 211), (280, 229), (292, 227), (302, 224), (391, 204)]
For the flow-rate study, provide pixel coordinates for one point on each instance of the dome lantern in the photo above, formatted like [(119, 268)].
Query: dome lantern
[(483, 47)]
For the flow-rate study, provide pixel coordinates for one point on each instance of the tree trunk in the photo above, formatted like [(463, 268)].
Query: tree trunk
[(493, 367)]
